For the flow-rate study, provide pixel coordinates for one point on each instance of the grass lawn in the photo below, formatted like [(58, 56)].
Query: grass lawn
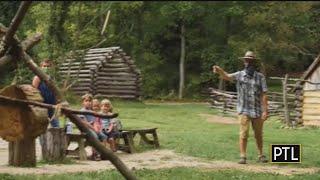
[(174, 173), (182, 129)]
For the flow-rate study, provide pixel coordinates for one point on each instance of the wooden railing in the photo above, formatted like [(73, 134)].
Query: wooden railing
[(226, 102)]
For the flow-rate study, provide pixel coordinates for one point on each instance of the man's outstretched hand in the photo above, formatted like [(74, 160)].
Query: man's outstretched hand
[(216, 69)]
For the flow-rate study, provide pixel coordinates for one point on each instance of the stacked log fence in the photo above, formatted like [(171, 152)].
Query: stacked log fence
[(226, 102)]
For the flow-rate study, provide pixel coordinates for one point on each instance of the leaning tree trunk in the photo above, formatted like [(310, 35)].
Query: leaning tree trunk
[(182, 60), (21, 124)]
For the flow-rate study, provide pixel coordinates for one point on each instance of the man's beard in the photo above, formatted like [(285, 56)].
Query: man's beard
[(249, 69)]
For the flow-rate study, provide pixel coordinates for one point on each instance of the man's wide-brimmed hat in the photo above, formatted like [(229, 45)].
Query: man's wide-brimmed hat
[(249, 55)]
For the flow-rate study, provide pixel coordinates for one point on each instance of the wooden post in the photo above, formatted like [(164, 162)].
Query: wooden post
[(285, 100), (53, 144), (22, 153), (221, 84), (298, 105)]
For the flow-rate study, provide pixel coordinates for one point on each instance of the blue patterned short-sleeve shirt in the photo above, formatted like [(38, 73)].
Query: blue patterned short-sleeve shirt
[(249, 90)]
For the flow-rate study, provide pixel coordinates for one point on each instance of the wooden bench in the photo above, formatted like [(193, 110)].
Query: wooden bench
[(128, 136), (125, 141), (143, 136), (128, 143), (80, 139), (80, 151)]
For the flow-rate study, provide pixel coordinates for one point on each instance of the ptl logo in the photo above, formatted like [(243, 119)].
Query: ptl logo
[(285, 153)]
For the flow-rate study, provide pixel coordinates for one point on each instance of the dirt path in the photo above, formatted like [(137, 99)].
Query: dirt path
[(219, 119), (155, 159)]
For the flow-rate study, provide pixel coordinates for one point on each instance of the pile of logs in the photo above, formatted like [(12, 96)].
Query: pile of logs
[(103, 72)]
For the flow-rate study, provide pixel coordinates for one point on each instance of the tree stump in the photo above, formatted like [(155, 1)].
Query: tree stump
[(21, 124), (54, 144), (22, 153)]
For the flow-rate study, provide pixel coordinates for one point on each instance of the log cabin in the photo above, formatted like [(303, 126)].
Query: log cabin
[(311, 94), (103, 72)]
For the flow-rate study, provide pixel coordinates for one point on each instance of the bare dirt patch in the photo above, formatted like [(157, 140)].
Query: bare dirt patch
[(155, 159), (219, 119)]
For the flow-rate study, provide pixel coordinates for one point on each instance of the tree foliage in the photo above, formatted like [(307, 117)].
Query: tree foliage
[(285, 35)]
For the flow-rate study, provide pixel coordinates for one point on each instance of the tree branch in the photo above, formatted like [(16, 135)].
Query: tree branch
[(115, 160), (4, 100), (31, 41), (43, 76), (5, 60), (8, 38)]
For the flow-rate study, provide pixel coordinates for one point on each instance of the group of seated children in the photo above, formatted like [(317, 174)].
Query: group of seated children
[(104, 129)]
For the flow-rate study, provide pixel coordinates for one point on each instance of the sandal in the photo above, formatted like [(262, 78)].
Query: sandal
[(243, 160), (262, 159)]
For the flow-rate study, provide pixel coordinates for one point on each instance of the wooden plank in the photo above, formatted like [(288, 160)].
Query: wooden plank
[(99, 54), (311, 105), (113, 91), (311, 109), (81, 84), (311, 117), (312, 94), (81, 75), (115, 96), (80, 88), (116, 87), (122, 69), (100, 78), (78, 63), (104, 49), (311, 112), (77, 67), (124, 74), (311, 100), (75, 71), (118, 65), (116, 60), (100, 50), (120, 83), (95, 58)]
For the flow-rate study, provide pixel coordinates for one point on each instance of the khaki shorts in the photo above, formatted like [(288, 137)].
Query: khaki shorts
[(257, 126)]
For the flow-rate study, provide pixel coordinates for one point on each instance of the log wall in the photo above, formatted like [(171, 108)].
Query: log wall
[(104, 72), (311, 107)]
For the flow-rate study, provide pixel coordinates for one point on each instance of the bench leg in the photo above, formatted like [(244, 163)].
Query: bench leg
[(155, 139), (129, 143), (82, 152)]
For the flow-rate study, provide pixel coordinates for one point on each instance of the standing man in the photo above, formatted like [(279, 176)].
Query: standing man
[(252, 105)]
